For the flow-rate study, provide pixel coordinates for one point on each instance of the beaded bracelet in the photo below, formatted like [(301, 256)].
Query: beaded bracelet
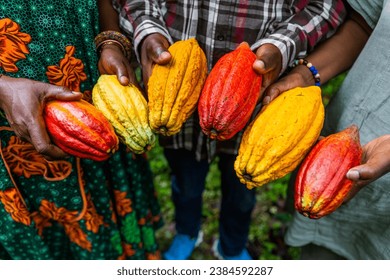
[(112, 37), (313, 70)]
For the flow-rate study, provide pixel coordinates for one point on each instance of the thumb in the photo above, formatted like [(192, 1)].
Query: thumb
[(61, 93), (122, 76), (259, 66), (353, 174), (161, 55)]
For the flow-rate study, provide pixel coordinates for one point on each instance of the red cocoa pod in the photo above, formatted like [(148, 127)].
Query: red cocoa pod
[(230, 94), (80, 129), (321, 184)]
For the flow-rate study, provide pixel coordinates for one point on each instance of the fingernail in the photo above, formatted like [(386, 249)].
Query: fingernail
[(260, 64), (159, 51), (124, 80), (353, 175), (266, 100)]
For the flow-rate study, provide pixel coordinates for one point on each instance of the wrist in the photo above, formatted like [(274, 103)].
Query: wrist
[(304, 74), (308, 71), (111, 38), (111, 44)]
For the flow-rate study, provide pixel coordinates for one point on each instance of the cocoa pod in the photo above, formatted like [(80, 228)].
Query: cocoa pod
[(80, 129), (321, 184)]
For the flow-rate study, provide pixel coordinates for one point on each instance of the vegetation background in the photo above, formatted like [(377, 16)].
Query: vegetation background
[(270, 217)]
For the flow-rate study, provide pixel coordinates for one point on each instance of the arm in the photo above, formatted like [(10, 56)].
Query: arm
[(143, 21), (112, 59), (140, 19), (313, 22), (330, 58)]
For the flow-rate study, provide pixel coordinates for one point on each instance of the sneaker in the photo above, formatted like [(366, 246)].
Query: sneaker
[(217, 251), (182, 247)]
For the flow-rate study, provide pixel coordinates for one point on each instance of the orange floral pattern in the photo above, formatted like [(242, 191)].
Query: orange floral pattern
[(94, 228), (14, 205), (153, 256), (13, 44), (41, 222), (122, 203), (24, 160), (128, 251), (67, 219), (69, 72), (92, 218)]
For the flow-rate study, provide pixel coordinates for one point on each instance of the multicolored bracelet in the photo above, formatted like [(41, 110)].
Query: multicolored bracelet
[(313, 70), (110, 37)]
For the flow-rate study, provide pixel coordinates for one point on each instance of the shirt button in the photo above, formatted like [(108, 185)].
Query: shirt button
[(220, 37)]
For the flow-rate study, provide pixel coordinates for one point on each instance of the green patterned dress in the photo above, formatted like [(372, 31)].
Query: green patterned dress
[(73, 209)]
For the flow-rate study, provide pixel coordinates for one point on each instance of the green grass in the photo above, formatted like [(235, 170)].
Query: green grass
[(270, 216)]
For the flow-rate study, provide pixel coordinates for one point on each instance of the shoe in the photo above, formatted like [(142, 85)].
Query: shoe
[(182, 247), (217, 251)]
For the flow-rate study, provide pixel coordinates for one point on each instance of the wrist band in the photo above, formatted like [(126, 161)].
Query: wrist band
[(313, 70), (101, 45), (114, 37)]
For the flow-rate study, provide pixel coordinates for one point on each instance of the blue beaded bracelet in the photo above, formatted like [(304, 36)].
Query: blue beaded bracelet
[(313, 70)]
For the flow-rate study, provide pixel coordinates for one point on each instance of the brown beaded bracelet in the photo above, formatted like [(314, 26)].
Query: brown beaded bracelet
[(113, 37)]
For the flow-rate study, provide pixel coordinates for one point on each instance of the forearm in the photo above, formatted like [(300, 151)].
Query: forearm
[(139, 19), (108, 17), (303, 31), (338, 53)]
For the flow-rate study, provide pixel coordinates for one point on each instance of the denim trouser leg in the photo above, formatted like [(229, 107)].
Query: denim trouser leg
[(236, 208), (188, 183)]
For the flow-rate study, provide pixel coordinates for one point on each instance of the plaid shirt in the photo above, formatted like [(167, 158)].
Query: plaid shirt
[(295, 27)]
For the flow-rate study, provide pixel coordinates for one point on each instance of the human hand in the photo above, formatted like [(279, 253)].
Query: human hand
[(375, 163), (114, 62), (22, 101), (299, 76), (154, 50), (268, 64)]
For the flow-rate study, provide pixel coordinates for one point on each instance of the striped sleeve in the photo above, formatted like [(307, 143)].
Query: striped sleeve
[(139, 19), (312, 22)]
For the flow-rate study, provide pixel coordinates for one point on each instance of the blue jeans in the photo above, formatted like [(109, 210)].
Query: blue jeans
[(188, 184)]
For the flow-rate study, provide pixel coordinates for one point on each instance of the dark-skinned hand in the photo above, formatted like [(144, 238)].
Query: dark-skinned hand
[(22, 101), (375, 163), (154, 50), (268, 64), (299, 76), (113, 62)]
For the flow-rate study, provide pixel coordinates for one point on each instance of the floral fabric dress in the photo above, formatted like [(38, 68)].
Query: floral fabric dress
[(76, 208)]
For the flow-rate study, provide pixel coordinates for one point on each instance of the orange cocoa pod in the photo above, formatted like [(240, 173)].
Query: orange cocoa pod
[(321, 184), (80, 129), (230, 94)]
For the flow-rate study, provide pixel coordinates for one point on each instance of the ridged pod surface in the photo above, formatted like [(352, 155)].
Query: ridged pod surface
[(80, 129), (230, 94), (280, 136), (174, 89), (321, 184), (127, 110)]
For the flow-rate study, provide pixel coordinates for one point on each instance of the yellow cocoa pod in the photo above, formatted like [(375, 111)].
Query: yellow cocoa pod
[(174, 88), (278, 139), (127, 110)]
